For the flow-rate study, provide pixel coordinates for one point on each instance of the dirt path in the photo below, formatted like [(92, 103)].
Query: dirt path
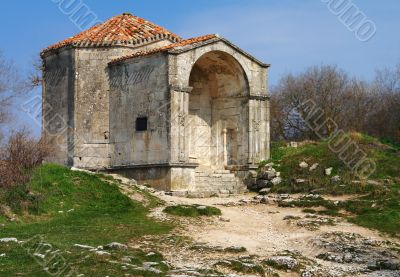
[(263, 229), (260, 228)]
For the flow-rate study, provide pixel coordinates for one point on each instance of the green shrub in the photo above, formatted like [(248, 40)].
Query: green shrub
[(192, 210)]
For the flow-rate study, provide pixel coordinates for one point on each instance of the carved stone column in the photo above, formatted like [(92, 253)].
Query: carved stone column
[(258, 129)]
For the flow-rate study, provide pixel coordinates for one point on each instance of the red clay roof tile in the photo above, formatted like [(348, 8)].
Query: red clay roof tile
[(119, 30), (166, 48)]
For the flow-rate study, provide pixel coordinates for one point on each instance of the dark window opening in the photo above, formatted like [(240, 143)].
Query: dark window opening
[(141, 124)]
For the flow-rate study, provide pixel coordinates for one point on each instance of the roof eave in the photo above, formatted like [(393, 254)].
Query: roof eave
[(133, 44)]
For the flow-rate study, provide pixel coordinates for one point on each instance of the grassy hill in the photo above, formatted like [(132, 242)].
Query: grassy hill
[(67, 208), (376, 203)]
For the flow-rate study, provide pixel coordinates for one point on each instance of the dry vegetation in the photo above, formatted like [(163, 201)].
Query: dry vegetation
[(354, 105), (19, 157)]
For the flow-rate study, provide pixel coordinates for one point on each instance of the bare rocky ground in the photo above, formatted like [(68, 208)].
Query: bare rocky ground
[(255, 237)]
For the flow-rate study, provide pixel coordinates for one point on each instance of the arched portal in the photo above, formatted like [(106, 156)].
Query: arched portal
[(218, 111)]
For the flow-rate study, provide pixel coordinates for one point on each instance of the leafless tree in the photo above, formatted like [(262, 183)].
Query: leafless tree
[(385, 117), (11, 86), (326, 85), (354, 105)]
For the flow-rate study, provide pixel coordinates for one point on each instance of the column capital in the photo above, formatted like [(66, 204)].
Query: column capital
[(259, 97)]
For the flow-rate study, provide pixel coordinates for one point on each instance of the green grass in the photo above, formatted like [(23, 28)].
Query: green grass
[(380, 212), (377, 206), (74, 207), (375, 210), (386, 157), (242, 266), (192, 210)]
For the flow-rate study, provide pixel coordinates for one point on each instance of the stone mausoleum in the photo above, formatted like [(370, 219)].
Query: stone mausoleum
[(128, 96)]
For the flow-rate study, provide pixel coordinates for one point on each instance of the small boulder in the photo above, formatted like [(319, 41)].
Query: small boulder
[(294, 144), (335, 179), (374, 183), (300, 181), (116, 245), (264, 191), (328, 171), (264, 200), (102, 253), (260, 184), (285, 262), (9, 240), (276, 181), (314, 167), (303, 164), (266, 174), (223, 219)]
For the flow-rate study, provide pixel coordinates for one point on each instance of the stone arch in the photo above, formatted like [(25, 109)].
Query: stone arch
[(218, 110)]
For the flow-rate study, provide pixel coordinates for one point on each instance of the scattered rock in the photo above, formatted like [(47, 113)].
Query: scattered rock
[(299, 181), (223, 219), (266, 175), (385, 265), (314, 167), (291, 217), (354, 249), (102, 253), (328, 171), (261, 183), (264, 200), (284, 196), (276, 181), (283, 262), (81, 170), (335, 179), (303, 164), (328, 256), (293, 144), (39, 255), (9, 240), (264, 191), (116, 245), (374, 183), (235, 249), (84, 246), (126, 259)]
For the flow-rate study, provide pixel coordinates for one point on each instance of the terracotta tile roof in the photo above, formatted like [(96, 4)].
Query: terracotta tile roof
[(124, 29), (166, 48)]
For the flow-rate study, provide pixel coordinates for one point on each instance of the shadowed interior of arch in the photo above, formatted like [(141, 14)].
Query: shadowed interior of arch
[(218, 111)]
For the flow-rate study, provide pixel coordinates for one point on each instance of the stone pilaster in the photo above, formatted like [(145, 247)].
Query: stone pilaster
[(258, 129), (179, 99)]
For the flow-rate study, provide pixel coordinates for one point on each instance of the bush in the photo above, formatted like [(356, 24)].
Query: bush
[(19, 157), (192, 210)]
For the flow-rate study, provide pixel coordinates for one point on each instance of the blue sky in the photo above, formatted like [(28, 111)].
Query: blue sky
[(289, 34)]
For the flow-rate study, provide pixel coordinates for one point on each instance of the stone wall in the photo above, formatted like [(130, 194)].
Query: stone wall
[(58, 104), (77, 93), (141, 90)]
